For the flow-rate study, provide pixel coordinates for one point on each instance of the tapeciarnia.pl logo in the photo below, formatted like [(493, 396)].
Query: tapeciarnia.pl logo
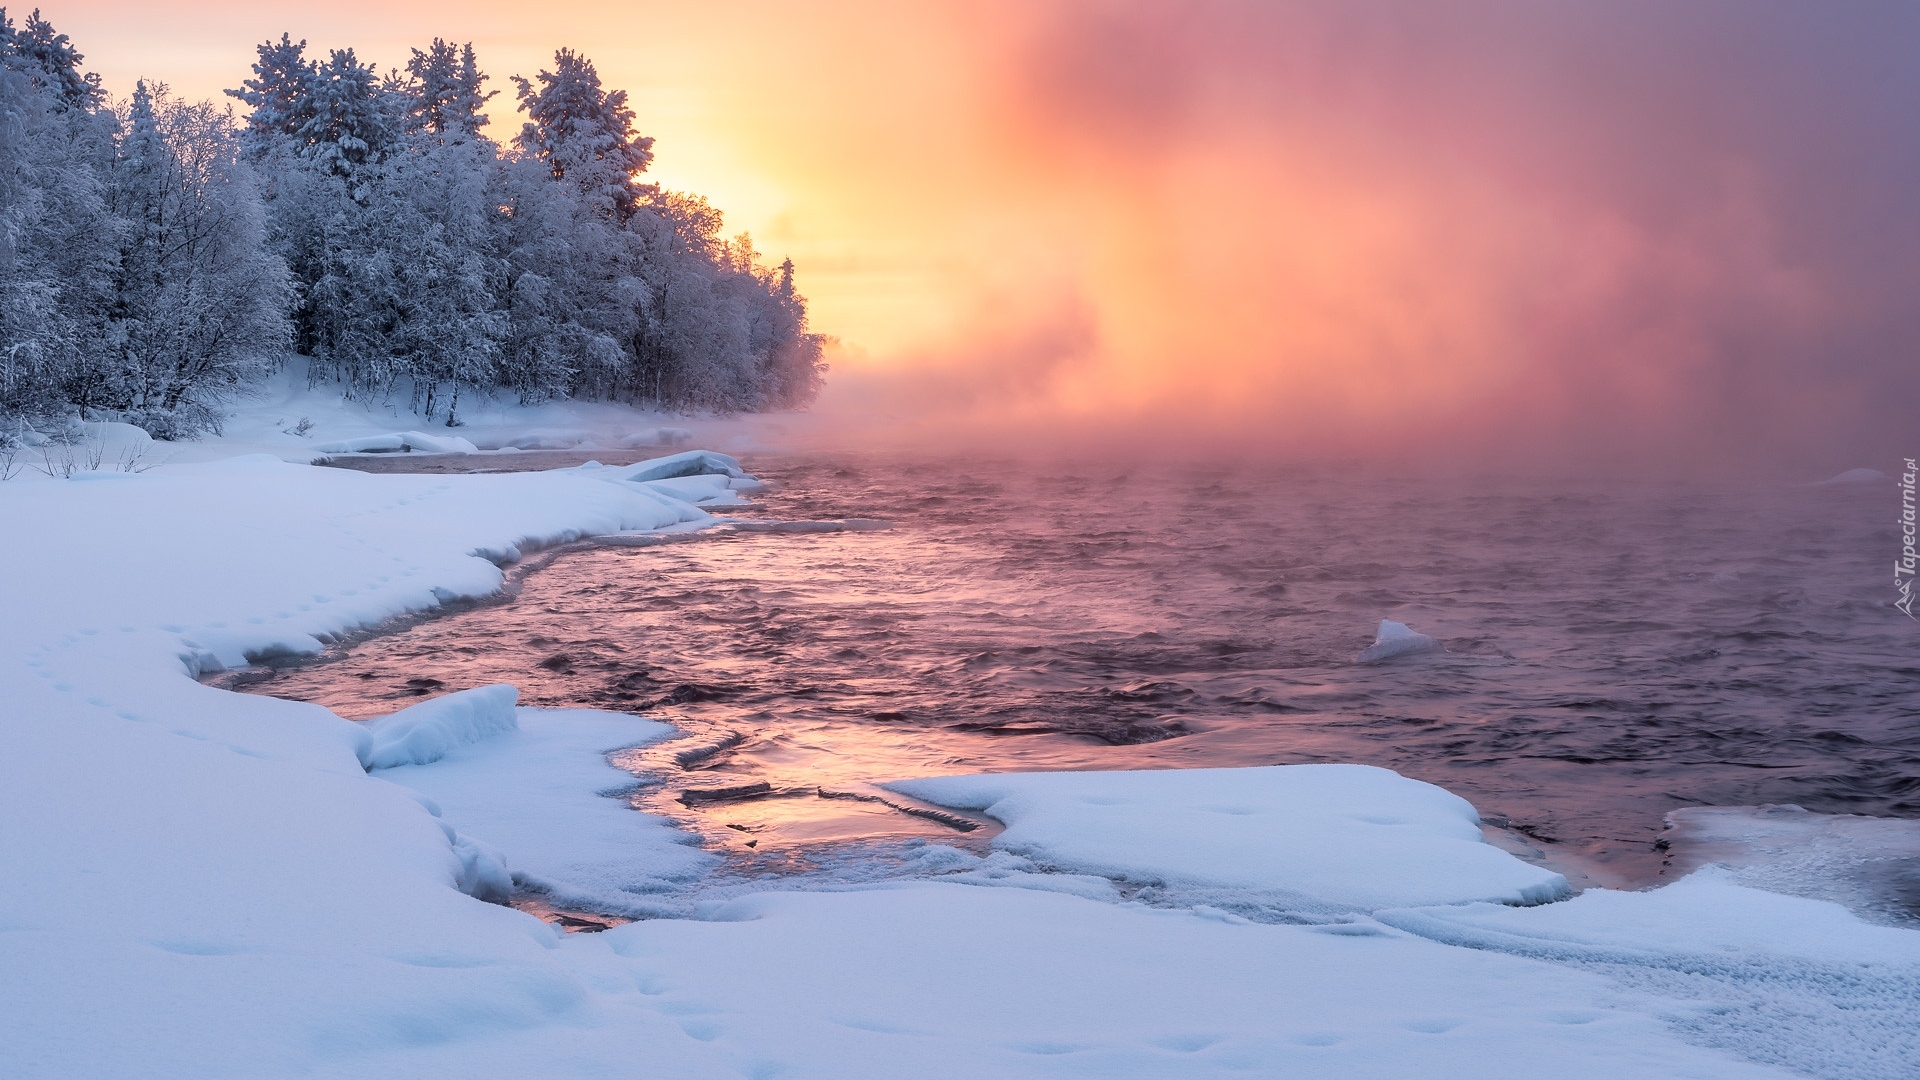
[(1903, 567)]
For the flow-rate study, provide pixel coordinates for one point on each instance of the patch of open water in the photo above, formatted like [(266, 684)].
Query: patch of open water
[(1611, 651)]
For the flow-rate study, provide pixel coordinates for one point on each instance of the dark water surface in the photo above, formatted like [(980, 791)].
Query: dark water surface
[(1611, 651)]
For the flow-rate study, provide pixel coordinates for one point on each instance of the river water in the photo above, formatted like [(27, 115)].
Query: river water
[(1609, 651)]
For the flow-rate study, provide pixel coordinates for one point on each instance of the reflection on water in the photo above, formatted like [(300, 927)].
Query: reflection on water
[(1610, 652)]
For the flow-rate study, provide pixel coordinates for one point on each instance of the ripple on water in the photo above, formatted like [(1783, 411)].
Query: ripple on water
[(1609, 654)]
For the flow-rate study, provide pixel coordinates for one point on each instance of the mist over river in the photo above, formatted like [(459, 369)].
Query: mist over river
[(1609, 652)]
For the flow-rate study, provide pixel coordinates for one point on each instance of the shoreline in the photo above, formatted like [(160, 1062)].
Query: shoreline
[(1584, 872), (249, 901)]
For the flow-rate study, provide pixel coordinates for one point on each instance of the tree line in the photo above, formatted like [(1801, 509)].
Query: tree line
[(158, 257)]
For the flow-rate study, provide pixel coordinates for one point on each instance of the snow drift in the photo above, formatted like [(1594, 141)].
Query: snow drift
[(1302, 838), (432, 729)]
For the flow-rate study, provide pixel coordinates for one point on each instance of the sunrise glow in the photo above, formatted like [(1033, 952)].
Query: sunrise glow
[(1307, 222)]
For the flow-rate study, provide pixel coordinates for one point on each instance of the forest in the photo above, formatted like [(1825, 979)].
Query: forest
[(160, 257)]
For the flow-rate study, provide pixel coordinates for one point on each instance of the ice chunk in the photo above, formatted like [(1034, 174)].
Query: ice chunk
[(399, 442), (1394, 639), (1301, 837), (688, 463), (430, 730), (1859, 476)]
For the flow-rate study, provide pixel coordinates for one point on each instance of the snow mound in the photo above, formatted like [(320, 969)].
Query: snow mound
[(483, 873), (688, 463), (1304, 838), (1394, 639), (117, 436), (399, 442), (699, 490), (432, 729)]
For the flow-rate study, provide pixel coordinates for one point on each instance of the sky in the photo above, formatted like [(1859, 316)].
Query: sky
[(1636, 233)]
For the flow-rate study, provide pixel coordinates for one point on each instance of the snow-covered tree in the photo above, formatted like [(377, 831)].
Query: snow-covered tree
[(720, 330), (156, 258), (198, 311), (134, 281), (57, 238), (346, 125), (573, 291), (409, 301), (583, 134), (445, 86), (277, 95), (51, 61)]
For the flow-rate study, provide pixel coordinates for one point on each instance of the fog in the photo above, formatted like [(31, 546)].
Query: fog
[(1637, 235)]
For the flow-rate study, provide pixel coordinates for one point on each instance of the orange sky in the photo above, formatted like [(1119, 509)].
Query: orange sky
[(1333, 225), (733, 95)]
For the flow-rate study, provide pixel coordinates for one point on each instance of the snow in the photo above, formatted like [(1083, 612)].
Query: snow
[(690, 463), (529, 783), (1869, 864), (289, 419), (1303, 839), (433, 729), (398, 442), (1395, 639), (706, 491), (200, 883), (1803, 984), (950, 981), (197, 883), (1706, 912), (699, 477)]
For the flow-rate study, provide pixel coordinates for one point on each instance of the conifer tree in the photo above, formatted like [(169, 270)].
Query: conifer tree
[(277, 94), (51, 61), (446, 89), (583, 134), (345, 126)]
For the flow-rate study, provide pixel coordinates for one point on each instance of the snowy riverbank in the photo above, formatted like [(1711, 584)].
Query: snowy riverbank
[(289, 419), (201, 883)]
